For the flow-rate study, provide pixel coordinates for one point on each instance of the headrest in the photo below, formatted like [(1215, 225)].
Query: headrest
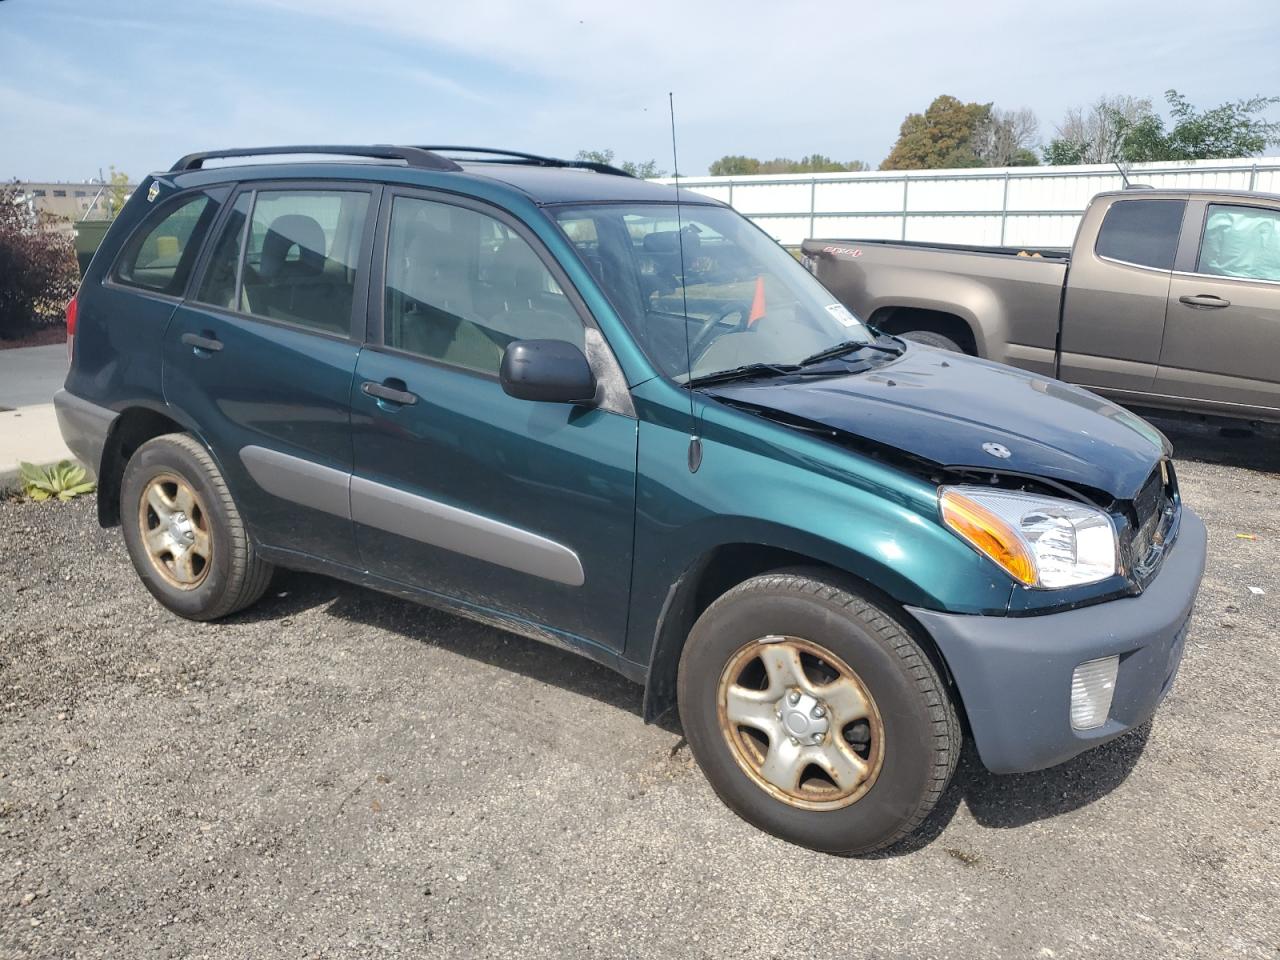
[(286, 232), (668, 241)]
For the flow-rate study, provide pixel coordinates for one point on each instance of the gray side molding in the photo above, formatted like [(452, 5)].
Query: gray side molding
[(441, 525), (299, 481)]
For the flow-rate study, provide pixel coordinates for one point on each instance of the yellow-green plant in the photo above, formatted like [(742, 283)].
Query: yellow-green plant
[(63, 481)]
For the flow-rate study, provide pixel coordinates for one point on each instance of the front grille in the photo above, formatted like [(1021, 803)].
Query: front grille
[(1154, 509)]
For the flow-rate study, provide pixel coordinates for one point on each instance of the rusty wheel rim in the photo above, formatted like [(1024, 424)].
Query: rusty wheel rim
[(175, 531), (800, 723)]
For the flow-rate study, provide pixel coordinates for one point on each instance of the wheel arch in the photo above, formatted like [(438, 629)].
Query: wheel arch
[(130, 430), (722, 568), (904, 319)]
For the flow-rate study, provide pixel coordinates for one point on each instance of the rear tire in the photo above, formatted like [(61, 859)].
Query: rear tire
[(905, 744), (184, 534), (931, 339)]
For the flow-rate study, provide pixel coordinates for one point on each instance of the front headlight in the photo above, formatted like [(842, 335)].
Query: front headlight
[(1041, 541)]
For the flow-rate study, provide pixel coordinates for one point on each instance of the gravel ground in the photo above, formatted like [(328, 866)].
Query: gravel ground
[(337, 773)]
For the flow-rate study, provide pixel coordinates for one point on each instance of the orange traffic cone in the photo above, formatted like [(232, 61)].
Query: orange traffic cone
[(757, 303)]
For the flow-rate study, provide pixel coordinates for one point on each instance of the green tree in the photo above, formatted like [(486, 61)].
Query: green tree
[(739, 166), (941, 137), (1127, 130), (734, 165), (645, 169), (119, 192)]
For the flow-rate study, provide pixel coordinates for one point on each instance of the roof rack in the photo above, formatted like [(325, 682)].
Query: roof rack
[(412, 156), (491, 155)]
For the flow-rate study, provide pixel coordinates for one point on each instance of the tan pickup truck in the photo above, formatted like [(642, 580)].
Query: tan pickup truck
[(1168, 299)]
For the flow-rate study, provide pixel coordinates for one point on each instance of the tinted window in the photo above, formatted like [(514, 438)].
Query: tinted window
[(1144, 232), (302, 257), (1241, 242), (462, 285), (221, 275), (159, 255)]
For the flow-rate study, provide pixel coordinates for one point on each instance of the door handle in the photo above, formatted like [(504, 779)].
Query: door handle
[(382, 391), (208, 344), (1205, 300)]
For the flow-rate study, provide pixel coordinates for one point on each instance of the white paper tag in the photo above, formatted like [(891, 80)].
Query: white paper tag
[(842, 315)]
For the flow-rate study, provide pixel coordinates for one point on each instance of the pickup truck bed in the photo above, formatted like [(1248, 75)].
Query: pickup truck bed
[(1167, 299)]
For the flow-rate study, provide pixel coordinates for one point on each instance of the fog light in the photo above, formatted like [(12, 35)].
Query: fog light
[(1092, 685)]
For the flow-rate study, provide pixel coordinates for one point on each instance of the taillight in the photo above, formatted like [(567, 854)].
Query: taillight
[(72, 310)]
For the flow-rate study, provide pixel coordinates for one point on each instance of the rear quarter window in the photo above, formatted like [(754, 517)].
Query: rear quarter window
[(160, 253), (1142, 232)]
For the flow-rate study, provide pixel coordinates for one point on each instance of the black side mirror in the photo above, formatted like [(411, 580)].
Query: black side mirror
[(553, 371)]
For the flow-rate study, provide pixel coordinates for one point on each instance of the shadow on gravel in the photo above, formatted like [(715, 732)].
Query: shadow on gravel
[(1214, 443), (995, 801), (1015, 800), (508, 651)]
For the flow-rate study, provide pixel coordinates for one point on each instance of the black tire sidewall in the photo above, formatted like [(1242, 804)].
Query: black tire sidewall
[(164, 456), (927, 338), (909, 766)]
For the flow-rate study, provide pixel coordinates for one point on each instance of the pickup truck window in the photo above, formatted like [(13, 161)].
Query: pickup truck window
[(1241, 242), (1141, 232)]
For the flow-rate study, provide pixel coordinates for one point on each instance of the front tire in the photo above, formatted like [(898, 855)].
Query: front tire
[(814, 713), (184, 534)]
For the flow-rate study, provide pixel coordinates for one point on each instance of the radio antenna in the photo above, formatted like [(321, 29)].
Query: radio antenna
[(1123, 176), (695, 443)]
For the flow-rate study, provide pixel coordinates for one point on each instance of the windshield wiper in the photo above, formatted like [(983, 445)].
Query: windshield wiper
[(745, 372), (847, 347)]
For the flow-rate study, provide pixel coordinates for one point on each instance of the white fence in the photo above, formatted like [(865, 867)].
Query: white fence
[(1014, 206)]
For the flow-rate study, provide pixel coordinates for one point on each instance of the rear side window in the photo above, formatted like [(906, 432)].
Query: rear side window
[(1241, 242), (161, 251), (1143, 232), (299, 260)]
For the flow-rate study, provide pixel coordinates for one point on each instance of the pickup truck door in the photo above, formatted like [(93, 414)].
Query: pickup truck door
[(1222, 334), (516, 508), (1117, 289)]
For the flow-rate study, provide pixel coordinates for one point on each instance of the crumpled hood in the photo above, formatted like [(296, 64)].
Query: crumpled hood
[(943, 407)]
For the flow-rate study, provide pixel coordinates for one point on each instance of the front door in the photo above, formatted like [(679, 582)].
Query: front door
[(1222, 334), (262, 354), (517, 508)]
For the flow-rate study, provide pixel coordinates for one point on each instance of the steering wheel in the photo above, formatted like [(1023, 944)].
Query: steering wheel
[(701, 340)]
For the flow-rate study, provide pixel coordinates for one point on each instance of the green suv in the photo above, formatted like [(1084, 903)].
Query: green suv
[(619, 418)]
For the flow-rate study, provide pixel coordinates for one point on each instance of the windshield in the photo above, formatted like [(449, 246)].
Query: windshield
[(735, 298)]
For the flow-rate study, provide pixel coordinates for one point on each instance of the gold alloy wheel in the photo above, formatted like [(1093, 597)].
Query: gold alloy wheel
[(800, 723), (175, 531)]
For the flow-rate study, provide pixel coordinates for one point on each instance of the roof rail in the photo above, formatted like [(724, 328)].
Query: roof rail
[(491, 155), (412, 156)]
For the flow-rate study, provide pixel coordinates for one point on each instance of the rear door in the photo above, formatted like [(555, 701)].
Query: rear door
[(261, 356), (1114, 312), (518, 508), (1222, 335)]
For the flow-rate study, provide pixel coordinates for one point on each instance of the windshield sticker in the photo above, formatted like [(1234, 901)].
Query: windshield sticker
[(842, 315)]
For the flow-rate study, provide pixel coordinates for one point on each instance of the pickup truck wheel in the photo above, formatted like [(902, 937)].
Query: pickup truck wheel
[(930, 339), (814, 713), (184, 533)]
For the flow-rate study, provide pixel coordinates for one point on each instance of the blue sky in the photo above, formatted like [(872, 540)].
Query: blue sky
[(136, 84)]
